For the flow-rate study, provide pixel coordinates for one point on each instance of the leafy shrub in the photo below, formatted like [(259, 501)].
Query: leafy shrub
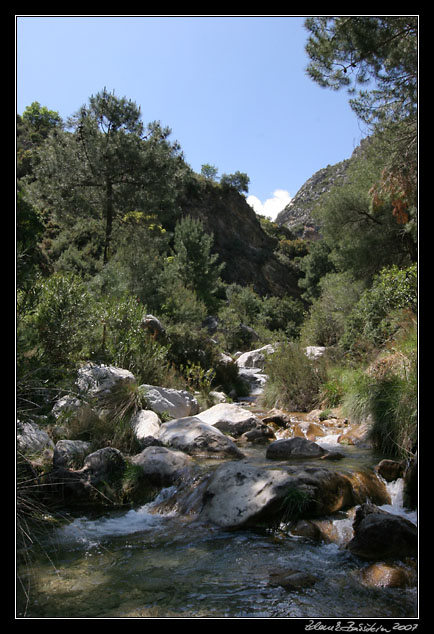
[(327, 318), (57, 327), (126, 344), (294, 380), (378, 313)]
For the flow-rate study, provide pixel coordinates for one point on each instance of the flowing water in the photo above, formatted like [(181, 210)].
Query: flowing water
[(142, 563)]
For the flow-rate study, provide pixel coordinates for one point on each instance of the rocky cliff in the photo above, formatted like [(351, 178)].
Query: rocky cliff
[(247, 251), (297, 215)]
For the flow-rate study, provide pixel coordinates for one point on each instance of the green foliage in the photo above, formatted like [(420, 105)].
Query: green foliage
[(295, 505), (238, 181), (363, 239), (326, 321), (378, 313), (351, 51), (106, 166), (314, 266), (41, 119), (270, 317), (209, 172), (194, 262), (101, 243), (126, 344), (294, 381), (55, 330)]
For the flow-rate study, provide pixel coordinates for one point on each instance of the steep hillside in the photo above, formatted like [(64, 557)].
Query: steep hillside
[(297, 215), (240, 241)]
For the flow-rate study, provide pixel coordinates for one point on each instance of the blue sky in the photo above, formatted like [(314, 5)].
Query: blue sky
[(233, 89)]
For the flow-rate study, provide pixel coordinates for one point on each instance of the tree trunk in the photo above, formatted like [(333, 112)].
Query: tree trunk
[(108, 220)]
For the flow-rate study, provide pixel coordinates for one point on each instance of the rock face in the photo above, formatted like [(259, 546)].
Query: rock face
[(240, 241), (380, 535), (297, 215), (196, 438)]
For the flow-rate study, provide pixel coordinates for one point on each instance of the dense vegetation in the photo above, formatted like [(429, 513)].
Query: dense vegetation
[(104, 239)]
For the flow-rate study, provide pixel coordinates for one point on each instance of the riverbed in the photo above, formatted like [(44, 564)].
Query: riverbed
[(148, 563)]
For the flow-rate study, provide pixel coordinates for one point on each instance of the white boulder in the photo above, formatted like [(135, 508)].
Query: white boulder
[(192, 435), (145, 423), (255, 358), (230, 418), (176, 403)]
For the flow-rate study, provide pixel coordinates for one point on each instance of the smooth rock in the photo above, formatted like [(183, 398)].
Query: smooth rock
[(176, 403), (294, 448), (192, 435), (162, 465)]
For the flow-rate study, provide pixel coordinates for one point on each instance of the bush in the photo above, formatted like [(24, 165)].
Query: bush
[(126, 344), (377, 315), (294, 381), (326, 321), (58, 325), (387, 392)]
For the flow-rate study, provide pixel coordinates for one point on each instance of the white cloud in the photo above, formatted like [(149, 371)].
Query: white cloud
[(272, 206)]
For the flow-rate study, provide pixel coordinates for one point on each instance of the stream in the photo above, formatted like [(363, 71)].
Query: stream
[(145, 563)]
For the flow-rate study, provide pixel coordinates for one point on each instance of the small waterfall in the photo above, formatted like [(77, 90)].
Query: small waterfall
[(396, 506), (91, 531)]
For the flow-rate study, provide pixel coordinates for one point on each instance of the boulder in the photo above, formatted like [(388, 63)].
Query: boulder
[(163, 466), (357, 434), (66, 406), (103, 465), (262, 434), (175, 403), (218, 397), (98, 482), (315, 352), (153, 326), (239, 494), (390, 470), (145, 423), (255, 358), (277, 417), (197, 438), (100, 380), (70, 454), (230, 418), (382, 575), (31, 439), (291, 579), (297, 447), (379, 535)]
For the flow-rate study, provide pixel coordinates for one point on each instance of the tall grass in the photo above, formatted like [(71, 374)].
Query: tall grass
[(387, 392), (294, 380)]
